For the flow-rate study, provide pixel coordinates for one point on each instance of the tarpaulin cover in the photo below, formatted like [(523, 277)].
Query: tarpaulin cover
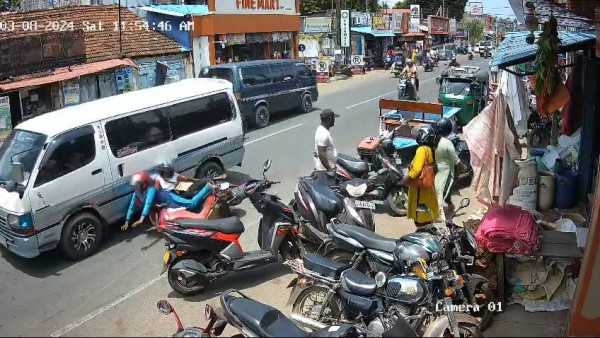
[(508, 229)]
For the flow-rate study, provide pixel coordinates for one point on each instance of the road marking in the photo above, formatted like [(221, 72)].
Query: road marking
[(275, 133), (93, 314), (369, 100), (380, 96)]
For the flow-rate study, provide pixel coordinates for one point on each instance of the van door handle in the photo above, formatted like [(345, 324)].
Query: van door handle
[(97, 171), (120, 169)]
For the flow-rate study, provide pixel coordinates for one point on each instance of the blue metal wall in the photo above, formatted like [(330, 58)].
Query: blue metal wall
[(178, 27), (147, 68)]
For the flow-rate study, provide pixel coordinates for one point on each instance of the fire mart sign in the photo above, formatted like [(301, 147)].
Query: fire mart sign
[(286, 7)]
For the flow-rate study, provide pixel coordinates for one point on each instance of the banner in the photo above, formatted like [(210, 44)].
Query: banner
[(452, 26), (476, 8), (71, 92), (5, 119), (396, 22), (345, 28), (317, 25), (415, 19)]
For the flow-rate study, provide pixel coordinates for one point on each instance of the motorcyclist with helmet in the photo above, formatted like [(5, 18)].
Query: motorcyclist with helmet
[(453, 62), (425, 154), (148, 192), (168, 179), (410, 71)]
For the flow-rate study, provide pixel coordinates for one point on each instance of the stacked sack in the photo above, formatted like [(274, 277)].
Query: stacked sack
[(526, 193), (508, 229)]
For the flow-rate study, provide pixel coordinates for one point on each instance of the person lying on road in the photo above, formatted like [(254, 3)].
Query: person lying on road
[(147, 192)]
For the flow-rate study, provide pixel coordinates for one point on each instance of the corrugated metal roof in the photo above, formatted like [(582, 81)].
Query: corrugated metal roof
[(544, 8), (179, 10), (514, 50)]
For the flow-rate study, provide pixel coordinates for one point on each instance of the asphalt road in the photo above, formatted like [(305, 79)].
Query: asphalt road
[(115, 291)]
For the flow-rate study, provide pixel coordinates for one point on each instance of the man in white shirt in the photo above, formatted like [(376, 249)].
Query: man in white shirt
[(325, 152)]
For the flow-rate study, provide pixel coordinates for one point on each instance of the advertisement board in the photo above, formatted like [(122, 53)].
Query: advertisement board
[(317, 25), (438, 24), (452, 26), (476, 8), (5, 119), (396, 22), (285, 7), (345, 28), (415, 19)]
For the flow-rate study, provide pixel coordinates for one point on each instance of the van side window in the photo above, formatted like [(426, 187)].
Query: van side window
[(131, 134), (70, 154), (303, 71), (255, 76), (195, 115), (282, 72)]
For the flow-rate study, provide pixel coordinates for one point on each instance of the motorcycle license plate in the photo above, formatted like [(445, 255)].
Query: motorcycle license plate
[(365, 205), (166, 257)]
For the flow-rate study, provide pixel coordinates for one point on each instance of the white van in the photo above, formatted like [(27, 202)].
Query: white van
[(74, 165)]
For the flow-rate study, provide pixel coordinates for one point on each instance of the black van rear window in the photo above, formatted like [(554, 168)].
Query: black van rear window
[(218, 73)]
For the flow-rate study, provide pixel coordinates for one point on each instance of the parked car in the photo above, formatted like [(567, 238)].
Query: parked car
[(65, 175), (266, 87)]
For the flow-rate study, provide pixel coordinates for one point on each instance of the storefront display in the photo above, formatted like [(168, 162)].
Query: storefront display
[(35, 101)]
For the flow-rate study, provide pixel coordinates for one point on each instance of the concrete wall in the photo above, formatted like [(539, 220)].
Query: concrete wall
[(178, 68)]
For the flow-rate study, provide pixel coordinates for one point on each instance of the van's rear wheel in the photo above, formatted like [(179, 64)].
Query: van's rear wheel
[(306, 105), (262, 116), (209, 170), (81, 236)]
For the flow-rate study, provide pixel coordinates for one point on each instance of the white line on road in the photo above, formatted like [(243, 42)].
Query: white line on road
[(275, 133), (118, 301), (380, 96)]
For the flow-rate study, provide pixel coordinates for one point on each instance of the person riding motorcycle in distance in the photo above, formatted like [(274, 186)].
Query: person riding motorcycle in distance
[(425, 155), (147, 192), (410, 71), (453, 62)]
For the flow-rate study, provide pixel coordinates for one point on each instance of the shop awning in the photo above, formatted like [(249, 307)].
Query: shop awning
[(178, 10), (514, 50), (63, 74), (377, 34)]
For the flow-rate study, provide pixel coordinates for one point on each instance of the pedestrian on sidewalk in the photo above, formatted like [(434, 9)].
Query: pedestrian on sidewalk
[(325, 152)]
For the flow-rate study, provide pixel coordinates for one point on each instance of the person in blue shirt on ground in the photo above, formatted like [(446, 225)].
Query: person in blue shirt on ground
[(147, 193)]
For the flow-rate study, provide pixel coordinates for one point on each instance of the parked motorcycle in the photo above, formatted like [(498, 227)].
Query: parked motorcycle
[(375, 306), (255, 319), (317, 203), (216, 322), (470, 55), (200, 251)]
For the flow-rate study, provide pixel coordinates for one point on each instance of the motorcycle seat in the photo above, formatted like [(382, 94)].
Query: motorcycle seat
[(357, 283), (367, 238), (323, 266), (229, 225), (263, 319), (323, 197), (353, 165)]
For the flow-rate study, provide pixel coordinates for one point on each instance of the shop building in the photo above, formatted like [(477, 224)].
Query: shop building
[(236, 30), (316, 37), (372, 36), (439, 29), (42, 72)]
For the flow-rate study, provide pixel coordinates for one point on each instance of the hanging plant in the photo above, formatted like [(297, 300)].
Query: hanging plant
[(547, 76)]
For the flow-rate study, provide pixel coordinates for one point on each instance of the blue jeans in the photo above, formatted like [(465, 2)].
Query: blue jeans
[(174, 201)]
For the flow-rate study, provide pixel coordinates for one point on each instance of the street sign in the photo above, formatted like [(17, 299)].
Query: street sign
[(323, 71), (302, 48), (345, 28), (356, 60)]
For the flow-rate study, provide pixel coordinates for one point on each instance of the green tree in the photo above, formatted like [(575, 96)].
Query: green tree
[(9, 5), (312, 6), (454, 8), (474, 29), (405, 4)]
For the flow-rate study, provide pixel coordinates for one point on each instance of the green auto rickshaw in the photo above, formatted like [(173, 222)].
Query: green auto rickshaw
[(465, 88)]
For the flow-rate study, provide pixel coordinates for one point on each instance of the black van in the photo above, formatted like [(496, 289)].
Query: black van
[(268, 86)]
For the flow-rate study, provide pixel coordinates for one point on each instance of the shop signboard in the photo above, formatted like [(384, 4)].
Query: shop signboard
[(345, 28), (382, 22), (284, 7), (317, 25), (361, 19), (476, 8), (438, 24), (5, 120), (415, 19), (397, 22), (452, 26), (323, 71), (34, 53), (71, 92)]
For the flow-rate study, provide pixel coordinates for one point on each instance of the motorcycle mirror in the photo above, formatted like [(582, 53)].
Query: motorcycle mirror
[(208, 312), (267, 165), (164, 307), (224, 186), (465, 202), (380, 279)]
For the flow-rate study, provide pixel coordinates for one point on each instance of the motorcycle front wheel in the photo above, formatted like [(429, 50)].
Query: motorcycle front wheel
[(465, 330)]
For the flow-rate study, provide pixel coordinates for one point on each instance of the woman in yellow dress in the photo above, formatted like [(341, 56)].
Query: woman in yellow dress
[(425, 155)]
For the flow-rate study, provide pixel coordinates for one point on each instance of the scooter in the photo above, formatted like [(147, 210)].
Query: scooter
[(255, 319), (215, 327), (200, 251), (406, 89), (428, 65), (470, 56)]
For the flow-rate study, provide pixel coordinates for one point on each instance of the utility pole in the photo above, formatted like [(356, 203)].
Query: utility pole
[(120, 30)]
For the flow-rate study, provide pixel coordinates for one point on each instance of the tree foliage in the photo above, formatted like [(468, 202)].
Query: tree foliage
[(312, 6), (405, 4), (9, 5), (475, 28), (455, 8)]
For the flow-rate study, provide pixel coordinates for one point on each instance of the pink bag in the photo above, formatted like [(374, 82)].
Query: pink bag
[(508, 229)]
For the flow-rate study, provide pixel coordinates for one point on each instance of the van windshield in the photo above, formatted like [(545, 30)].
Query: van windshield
[(218, 73), (20, 146)]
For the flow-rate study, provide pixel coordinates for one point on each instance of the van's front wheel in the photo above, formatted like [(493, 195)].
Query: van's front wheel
[(81, 236)]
